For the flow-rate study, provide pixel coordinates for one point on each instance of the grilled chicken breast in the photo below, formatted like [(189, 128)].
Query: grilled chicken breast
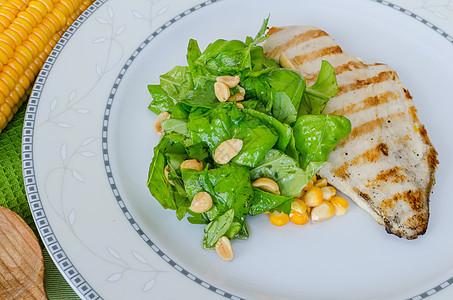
[(387, 164)]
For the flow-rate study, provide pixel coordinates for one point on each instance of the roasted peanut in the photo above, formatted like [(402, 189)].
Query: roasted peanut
[(224, 249), (267, 185), (202, 202), (158, 123), (285, 62), (194, 164), (222, 91), (166, 172), (230, 81), (227, 150)]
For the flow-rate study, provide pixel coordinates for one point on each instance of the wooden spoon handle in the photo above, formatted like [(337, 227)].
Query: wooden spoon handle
[(21, 260)]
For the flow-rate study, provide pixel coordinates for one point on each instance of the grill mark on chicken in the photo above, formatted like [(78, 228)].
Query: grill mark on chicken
[(367, 103), (392, 175), (370, 156), (412, 198), (347, 67), (301, 38), (383, 76), (316, 54), (368, 127)]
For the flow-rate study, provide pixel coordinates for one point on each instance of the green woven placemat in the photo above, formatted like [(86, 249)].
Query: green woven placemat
[(12, 196)]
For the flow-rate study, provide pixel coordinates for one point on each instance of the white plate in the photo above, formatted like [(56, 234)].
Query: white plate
[(88, 142)]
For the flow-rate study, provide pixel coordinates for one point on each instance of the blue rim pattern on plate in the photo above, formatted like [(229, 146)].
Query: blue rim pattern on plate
[(48, 237)]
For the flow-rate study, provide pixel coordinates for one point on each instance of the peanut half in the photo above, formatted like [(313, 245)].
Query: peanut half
[(194, 164), (224, 249), (227, 150), (285, 62), (267, 185), (222, 91), (158, 123), (202, 202), (230, 81)]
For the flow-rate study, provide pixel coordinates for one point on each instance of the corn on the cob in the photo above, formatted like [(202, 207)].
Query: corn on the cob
[(28, 32)]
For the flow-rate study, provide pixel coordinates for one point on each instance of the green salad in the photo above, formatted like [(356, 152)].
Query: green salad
[(266, 124)]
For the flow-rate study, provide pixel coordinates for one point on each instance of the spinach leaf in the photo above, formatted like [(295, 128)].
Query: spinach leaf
[(217, 228), (158, 184), (180, 111), (177, 81), (200, 74), (218, 182), (226, 122), (316, 96), (289, 82), (317, 135), (238, 198), (263, 201), (261, 36), (284, 131), (160, 100), (257, 139), (225, 57), (202, 96), (284, 170), (282, 107), (175, 125)]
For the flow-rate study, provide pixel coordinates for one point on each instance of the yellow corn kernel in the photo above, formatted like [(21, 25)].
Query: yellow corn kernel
[(328, 192), (3, 58), (6, 110), (6, 78), (313, 196), (322, 212), (39, 6), (36, 40), (340, 204), (37, 15), (16, 66), (321, 182), (31, 47), (298, 206), (278, 218), (28, 17), (60, 16), (298, 214), (48, 3), (24, 24), (68, 4), (7, 49), (11, 73), (49, 24), (3, 120), (299, 218)]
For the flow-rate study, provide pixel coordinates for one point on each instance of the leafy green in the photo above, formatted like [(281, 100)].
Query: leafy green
[(177, 81), (161, 101), (227, 122), (283, 130), (284, 170), (317, 135), (264, 201), (316, 96), (217, 228)]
